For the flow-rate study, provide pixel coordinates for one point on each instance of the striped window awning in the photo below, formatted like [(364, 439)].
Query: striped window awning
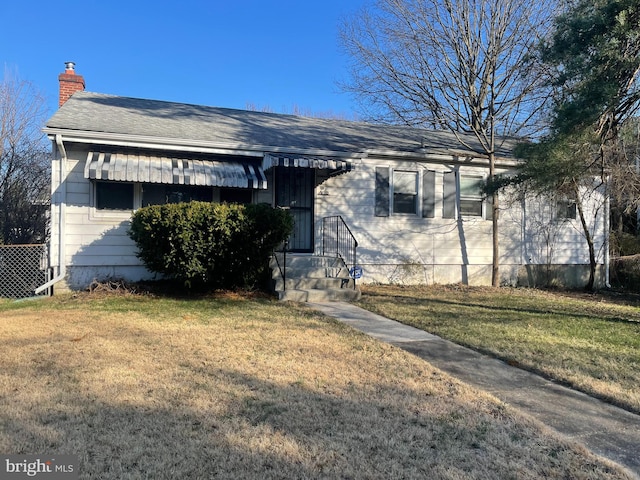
[(319, 163), (174, 171)]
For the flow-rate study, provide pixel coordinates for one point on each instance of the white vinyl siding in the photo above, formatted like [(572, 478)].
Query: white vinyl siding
[(427, 247), (418, 248)]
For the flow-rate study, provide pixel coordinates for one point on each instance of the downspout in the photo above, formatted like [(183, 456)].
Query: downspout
[(61, 199), (607, 234)]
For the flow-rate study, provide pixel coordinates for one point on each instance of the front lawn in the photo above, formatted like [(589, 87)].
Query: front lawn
[(591, 342), (237, 387)]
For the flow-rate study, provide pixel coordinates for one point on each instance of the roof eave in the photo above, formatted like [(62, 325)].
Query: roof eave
[(185, 145), (455, 156), (222, 148)]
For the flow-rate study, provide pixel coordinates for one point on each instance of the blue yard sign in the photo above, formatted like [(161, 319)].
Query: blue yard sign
[(356, 272)]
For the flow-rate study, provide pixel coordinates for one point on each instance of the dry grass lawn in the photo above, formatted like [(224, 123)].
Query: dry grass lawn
[(233, 387)]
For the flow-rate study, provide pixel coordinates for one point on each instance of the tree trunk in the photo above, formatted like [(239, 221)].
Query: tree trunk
[(587, 235), (495, 268)]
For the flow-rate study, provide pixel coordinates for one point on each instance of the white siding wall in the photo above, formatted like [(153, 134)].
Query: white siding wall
[(412, 249), (96, 245), (549, 240), (394, 249)]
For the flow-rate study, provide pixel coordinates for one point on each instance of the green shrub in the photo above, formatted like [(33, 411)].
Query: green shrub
[(209, 244), (624, 244), (625, 273)]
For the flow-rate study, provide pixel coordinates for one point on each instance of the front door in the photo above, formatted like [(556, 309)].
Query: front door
[(294, 191)]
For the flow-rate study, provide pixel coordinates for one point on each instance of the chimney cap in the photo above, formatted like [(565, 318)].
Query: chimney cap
[(69, 83)]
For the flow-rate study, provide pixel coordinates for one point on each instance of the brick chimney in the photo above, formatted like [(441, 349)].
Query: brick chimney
[(69, 82)]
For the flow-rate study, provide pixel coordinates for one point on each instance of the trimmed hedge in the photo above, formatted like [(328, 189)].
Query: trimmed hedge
[(205, 244)]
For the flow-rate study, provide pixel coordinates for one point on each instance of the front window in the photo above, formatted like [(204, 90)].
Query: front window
[(243, 196), (114, 196), (471, 196), (159, 194), (405, 192)]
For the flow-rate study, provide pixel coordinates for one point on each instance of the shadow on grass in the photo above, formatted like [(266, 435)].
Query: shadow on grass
[(133, 401), (290, 431), (408, 300)]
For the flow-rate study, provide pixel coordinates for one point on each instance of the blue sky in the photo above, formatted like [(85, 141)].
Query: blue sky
[(227, 53)]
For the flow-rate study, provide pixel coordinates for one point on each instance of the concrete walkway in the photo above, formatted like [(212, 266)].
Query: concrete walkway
[(604, 429)]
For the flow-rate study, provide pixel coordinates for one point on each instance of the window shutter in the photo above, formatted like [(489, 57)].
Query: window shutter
[(449, 200), (382, 192), (489, 207), (429, 194)]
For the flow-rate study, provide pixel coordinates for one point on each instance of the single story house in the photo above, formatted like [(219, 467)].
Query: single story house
[(410, 197)]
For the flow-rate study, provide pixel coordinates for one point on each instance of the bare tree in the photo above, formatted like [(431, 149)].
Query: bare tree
[(24, 163), (451, 64)]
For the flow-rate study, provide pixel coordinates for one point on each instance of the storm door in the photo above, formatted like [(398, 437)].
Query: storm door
[(294, 191)]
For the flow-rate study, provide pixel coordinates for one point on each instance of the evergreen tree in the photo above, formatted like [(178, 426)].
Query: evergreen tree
[(594, 53)]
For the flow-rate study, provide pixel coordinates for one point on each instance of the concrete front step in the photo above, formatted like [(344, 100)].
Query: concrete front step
[(317, 283), (313, 278), (316, 295)]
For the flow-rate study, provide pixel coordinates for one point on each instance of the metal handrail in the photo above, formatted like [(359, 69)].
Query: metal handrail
[(338, 240), (283, 268)]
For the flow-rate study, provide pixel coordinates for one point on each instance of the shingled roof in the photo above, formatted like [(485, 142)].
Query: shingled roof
[(87, 113)]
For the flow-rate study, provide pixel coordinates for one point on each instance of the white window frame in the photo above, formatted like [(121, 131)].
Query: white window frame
[(467, 197), (416, 195)]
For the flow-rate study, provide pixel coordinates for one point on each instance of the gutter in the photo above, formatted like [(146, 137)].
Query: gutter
[(61, 200), (183, 145), (452, 156), (199, 146)]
